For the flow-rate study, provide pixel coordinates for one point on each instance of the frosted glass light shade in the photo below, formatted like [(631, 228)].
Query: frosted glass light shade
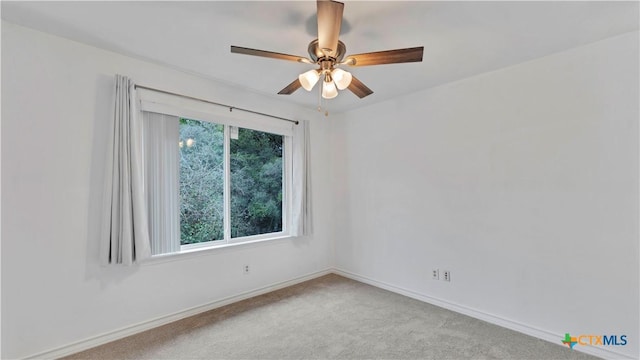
[(329, 90), (342, 78), (309, 79)]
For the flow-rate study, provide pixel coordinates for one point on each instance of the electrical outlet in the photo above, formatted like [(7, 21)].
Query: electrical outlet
[(435, 274), (446, 275), (245, 268)]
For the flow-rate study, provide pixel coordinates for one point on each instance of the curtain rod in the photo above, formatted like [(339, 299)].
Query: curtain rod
[(231, 108)]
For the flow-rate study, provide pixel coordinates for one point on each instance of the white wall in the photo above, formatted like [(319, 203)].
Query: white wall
[(523, 182), (56, 102)]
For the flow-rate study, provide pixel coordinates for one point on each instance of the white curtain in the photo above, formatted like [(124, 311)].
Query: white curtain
[(125, 237), (162, 180), (302, 223)]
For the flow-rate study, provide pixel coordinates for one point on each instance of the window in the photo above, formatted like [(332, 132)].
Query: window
[(202, 177), (214, 176), (254, 177), (256, 183), (212, 179)]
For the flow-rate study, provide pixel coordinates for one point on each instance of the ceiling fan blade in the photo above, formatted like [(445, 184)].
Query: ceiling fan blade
[(386, 57), (329, 23), (267, 54), (289, 89), (357, 87)]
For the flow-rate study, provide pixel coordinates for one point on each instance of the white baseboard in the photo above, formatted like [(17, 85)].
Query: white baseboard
[(490, 318), (150, 324)]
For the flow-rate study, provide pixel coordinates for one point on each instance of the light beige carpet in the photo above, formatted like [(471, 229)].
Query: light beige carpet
[(330, 318)]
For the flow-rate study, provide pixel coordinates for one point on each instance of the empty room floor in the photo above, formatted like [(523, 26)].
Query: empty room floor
[(330, 317)]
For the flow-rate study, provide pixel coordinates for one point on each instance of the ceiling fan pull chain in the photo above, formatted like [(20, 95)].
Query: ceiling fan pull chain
[(324, 105), (319, 98), (322, 101)]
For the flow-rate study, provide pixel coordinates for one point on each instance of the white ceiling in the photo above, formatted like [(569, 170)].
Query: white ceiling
[(461, 39)]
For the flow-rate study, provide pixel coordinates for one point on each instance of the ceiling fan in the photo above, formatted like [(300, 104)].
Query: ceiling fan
[(328, 52)]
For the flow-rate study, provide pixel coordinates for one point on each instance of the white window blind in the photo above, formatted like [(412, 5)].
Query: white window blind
[(162, 166)]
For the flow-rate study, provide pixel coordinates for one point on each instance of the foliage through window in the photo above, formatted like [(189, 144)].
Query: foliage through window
[(254, 182), (201, 181)]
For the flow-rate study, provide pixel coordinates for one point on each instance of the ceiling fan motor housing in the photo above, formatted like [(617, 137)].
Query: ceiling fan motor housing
[(316, 54)]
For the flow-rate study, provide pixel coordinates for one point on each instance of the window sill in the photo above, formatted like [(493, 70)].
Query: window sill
[(208, 250)]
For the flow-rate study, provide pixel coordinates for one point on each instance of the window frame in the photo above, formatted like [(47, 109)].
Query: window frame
[(287, 160)]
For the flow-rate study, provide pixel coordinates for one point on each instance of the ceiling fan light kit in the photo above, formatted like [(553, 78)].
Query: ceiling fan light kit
[(341, 78), (329, 90), (327, 52), (309, 79)]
